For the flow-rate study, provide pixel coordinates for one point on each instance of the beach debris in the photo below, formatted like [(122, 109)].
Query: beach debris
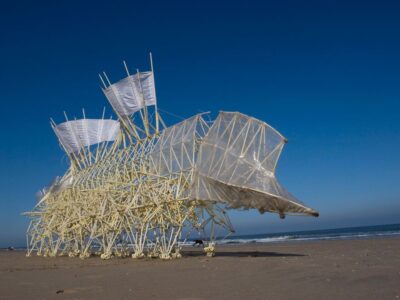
[(134, 184), (59, 291)]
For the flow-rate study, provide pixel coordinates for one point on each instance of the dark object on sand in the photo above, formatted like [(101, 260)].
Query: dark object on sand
[(198, 243), (10, 248), (60, 292)]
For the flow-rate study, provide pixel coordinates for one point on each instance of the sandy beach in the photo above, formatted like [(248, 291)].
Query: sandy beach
[(341, 269)]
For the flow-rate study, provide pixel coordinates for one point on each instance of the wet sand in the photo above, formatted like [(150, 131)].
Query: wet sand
[(347, 269)]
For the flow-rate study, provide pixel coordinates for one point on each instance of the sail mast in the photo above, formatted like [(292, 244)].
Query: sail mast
[(146, 115), (155, 95)]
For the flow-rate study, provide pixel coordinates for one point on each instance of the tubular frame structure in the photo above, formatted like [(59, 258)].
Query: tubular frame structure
[(139, 189)]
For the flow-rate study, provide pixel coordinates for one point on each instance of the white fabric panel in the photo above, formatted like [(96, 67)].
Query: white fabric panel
[(148, 87), (124, 96), (128, 95), (74, 135)]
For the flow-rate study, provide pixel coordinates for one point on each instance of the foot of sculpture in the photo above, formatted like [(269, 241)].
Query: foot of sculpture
[(176, 254), (138, 255), (210, 250), (165, 256), (105, 256), (84, 255), (153, 255)]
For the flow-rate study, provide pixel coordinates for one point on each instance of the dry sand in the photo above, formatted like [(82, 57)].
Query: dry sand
[(350, 269)]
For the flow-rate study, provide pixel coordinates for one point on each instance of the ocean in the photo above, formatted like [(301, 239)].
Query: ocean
[(378, 231)]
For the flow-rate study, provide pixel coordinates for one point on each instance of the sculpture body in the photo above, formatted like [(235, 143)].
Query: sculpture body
[(137, 187)]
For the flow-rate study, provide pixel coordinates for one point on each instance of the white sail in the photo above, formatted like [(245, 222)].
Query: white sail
[(130, 94), (74, 135), (148, 87)]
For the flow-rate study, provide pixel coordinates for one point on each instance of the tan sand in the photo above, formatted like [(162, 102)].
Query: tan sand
[(357, 269)]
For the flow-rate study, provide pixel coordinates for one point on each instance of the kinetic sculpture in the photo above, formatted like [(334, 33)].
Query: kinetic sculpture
[(137, 187)]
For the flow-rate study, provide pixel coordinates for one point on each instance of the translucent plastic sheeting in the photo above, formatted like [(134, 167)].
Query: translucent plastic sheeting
[(74, 135), (175, 150), (130, 94), (236, 165), (58, 185)]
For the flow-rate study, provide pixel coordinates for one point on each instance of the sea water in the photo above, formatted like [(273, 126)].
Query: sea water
[(377, 231), (364, 232)]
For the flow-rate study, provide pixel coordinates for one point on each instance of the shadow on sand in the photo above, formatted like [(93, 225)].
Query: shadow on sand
[(242, 254)]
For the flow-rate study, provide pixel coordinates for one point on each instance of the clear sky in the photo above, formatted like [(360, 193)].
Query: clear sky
[(326, 74)]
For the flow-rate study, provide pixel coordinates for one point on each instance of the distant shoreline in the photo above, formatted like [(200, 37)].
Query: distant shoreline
[(234, 245), (345, 233)]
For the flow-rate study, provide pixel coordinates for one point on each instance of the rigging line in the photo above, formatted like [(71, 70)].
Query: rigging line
[(151, 117), (172, 114)]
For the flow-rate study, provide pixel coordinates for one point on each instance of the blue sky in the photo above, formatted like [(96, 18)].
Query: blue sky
[(324, 73)]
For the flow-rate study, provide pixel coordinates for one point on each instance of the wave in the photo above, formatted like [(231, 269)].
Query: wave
[(306, 237), (257, 240)]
